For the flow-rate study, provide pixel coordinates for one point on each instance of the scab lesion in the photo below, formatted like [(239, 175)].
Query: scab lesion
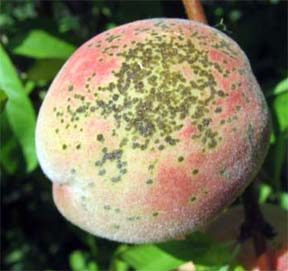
[(133, 218), (195, 171), (70, 87), (107, 207), (204, 191), (224, 173), (155, 214), (180, 159), (192, 199), (64, 146)]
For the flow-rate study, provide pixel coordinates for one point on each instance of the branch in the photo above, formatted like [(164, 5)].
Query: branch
[(256, 227), (194, 10)]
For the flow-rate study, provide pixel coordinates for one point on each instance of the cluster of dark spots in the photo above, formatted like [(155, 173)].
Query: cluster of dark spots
[(210, 138), (78, 146), (192, 199), (73, 171), (150, 96), (133, 218), (98, 44), (180, 159), (112, 37), (64, 146), (163, 101), (225, 47), (107, 207), (114, 156), (195, 171), (138, 145), (171, 141)]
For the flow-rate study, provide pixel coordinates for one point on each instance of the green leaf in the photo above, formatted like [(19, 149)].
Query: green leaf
[(198, 248), (224, 268), (8, 156), (14, 256), (275, 161), (284, 200), (280, 106), (92, 266), (3, 100), (40, 44), (265, 192), (77, 261), (20, 112), (9, 148), (149, 258), (119, 265), (44, 69), (281, 87), (29, 86)]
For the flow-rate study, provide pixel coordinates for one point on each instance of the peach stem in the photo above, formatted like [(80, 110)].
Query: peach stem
[(194, 10)]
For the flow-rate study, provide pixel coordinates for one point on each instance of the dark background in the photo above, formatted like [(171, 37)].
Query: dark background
[(34, 236)]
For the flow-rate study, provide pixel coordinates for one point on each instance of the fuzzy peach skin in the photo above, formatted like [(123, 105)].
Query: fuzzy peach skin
[(150, 129), (226, 228)]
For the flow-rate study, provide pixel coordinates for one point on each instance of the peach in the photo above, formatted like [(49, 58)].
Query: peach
[(150, 129), (226, 228)]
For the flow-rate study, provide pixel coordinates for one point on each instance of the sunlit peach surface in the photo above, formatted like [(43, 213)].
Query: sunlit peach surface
[(150, 129)]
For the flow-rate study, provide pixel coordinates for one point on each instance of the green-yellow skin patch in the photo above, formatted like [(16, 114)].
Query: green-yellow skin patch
[(150, 129)]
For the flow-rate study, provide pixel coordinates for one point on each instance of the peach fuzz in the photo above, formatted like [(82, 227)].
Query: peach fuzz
[(150, 129), (226, 228)]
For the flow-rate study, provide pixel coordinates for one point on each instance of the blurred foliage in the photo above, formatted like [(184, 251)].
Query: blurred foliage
[(36, 39)]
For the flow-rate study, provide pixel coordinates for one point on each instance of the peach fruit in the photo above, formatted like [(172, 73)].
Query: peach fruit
[(226, 228), (150, 129)]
